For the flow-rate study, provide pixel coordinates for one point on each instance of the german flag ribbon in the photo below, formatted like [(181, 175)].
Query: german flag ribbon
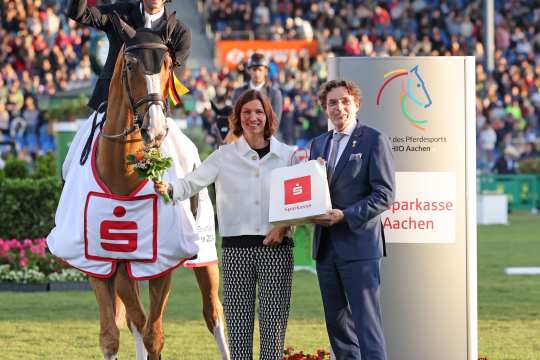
[(176, 89)]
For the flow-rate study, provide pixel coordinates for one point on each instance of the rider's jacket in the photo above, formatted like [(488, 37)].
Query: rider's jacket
[(131, 12)]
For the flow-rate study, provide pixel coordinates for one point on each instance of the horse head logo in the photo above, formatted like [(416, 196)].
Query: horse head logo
[(413, 91)]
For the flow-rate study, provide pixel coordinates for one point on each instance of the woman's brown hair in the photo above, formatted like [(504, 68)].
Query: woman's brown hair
[(235, 125)]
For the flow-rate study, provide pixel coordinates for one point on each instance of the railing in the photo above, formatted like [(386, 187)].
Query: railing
[(523, 190)]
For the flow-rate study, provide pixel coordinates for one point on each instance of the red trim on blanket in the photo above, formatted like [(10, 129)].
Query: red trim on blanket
[(200, 264), (101, 276), (98, 179), (163, 273), (123, 198), (100, 182)]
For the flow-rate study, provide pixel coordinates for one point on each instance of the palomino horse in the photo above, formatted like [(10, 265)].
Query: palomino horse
[(136, 117), (413, 91)]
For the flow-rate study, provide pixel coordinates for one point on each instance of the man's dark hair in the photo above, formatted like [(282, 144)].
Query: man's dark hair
[(333, 84)]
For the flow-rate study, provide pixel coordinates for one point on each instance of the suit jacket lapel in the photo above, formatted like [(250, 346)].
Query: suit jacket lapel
[(326, 146), (344, 158), (162, 20)]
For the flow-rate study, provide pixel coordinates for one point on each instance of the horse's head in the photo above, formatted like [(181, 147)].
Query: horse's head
[(416, 89), (146, 65), (222, 114)]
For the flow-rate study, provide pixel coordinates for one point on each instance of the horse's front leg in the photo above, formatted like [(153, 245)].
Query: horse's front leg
[(128, 290), (108, 333), (153, 331)]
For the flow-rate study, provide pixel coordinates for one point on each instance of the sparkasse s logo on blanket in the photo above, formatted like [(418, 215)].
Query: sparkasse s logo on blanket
[(297, 190)]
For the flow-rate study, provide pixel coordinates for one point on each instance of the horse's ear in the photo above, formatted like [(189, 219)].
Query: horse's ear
[(126, 32)]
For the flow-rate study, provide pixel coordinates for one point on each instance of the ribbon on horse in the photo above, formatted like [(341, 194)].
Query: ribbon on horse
[(176, 89)]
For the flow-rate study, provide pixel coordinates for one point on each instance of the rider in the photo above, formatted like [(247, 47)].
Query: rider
[(149, 14), (145, 13)]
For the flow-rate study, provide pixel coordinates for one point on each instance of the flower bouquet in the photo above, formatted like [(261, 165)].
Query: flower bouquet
[(149, 163)]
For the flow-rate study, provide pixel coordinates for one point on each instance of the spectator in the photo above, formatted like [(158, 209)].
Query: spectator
[(4, 120), (258, 70), (487, 141), (506, 164)]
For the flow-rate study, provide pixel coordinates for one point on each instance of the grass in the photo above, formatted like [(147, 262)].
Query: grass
[(509, 306), (65, 326)]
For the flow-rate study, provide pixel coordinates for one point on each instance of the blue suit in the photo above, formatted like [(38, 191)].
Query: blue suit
[(348, 253)]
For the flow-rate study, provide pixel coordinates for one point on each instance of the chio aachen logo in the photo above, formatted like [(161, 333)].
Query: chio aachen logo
[(413, 91)]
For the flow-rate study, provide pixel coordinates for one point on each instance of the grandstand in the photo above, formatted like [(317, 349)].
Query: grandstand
[(43, 55)]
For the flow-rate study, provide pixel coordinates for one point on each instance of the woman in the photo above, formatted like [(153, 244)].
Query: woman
[(254, 251)]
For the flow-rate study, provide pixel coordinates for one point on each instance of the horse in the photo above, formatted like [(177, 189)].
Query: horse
[(220, 126), (135, 118), (413, 89)]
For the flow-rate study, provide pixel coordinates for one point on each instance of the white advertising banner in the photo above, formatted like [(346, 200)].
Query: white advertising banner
[(424, 210)]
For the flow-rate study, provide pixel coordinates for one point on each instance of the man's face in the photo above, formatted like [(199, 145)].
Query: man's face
[(258, 74), (153, 6), (340, 108)]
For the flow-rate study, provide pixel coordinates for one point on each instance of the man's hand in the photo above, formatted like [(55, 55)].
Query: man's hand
[(330, 218), (275, 236)]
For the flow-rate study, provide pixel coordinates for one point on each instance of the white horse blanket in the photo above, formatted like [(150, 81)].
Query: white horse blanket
[(94, 229)]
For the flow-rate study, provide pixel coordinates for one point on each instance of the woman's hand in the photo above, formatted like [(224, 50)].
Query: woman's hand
[(275, 236), (161, 187)]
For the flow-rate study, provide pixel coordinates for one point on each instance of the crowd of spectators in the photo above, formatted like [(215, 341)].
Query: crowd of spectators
[(508, 98), (41, 54)]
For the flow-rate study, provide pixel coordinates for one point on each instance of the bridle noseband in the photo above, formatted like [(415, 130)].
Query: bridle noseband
[(135, 104)]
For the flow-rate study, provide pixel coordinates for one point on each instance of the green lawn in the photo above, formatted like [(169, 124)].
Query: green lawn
[(64, 325), (509, 306)]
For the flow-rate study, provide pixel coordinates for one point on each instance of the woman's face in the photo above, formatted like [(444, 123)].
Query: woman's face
[(253, 118)]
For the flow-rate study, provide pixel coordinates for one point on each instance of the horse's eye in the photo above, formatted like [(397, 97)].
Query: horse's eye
[(130, 66)]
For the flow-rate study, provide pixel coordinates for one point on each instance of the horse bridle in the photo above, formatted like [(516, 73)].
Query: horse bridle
[(149, 99)]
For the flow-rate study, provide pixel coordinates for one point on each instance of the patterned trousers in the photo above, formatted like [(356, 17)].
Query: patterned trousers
[(243, 269)]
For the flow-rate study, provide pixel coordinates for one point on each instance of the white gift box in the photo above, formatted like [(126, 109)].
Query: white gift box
[(298, 192)]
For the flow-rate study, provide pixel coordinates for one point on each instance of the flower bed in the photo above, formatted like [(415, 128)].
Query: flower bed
[(290, 354), (28, 266)]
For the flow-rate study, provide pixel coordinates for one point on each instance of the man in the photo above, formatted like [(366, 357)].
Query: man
[(258, 72), (145, 13), (506, 163), (149, 14), (348, 239)]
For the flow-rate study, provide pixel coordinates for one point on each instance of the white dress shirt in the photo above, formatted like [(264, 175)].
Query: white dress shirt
[(259, 87), (150, 18), (242, 185), (343, 142)]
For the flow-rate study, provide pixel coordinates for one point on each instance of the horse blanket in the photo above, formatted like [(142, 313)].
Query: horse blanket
[(95, 229)]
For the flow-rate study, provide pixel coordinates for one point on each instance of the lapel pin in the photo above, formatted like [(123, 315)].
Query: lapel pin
[(354, 143)]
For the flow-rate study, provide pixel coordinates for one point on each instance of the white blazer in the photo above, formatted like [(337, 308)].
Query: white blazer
[(242, 185)]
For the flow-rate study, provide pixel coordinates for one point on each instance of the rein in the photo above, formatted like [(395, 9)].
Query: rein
[(135, 104)]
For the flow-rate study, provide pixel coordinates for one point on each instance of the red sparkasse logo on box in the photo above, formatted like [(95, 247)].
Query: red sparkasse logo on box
[(297, 190)]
